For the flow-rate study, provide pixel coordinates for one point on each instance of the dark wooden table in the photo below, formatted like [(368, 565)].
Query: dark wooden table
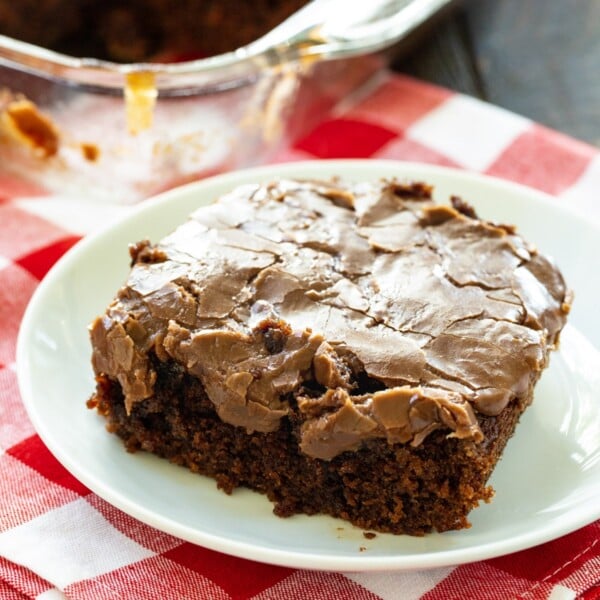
[(538, 58)]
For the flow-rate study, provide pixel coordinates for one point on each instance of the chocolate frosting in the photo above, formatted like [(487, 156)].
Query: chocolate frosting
[(378, 312)]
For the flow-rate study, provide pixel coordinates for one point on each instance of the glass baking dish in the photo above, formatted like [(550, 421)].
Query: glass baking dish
[(125, 131)]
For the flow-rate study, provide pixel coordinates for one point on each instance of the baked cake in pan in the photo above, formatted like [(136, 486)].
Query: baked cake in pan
[(355, 350), (142, 30)]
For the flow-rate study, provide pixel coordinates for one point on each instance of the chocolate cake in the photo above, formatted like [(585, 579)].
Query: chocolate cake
[(142, 30), (355, 350)]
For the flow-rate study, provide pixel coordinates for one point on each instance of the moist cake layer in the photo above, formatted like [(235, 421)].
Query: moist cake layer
[(354, 317)]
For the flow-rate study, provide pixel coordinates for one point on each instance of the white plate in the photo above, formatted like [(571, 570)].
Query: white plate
[(547, 484)]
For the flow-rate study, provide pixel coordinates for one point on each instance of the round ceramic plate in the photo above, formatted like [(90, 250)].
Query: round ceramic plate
[(547, 484)]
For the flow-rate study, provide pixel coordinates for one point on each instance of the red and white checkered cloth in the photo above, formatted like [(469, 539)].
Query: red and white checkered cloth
[(59, 540)]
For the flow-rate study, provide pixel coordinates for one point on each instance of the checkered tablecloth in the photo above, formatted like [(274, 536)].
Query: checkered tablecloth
[(59, 540)]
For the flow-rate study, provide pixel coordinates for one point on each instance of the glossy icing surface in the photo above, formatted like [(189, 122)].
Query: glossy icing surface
[(375, 310)]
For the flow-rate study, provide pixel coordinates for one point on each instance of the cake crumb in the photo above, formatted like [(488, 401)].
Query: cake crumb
[(463, 207), (90, 152), (27, 124), (362, 548), (369, 535)]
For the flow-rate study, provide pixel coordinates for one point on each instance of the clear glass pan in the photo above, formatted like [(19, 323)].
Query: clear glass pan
[(125, 131)]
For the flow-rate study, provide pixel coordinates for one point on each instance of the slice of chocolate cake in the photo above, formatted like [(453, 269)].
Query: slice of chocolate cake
[(349, 349)]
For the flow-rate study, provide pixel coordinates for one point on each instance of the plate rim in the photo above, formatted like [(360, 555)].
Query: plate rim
[(240, 548)]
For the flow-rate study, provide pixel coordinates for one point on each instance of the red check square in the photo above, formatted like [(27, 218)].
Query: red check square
[(148, 579), (23, 232), (16, 287), (32, 452), (14, 423), (345, 138), (31, 494), (481, 581), (549, 564), (39, 262), (543, 159), (14, 187), (21, 583), (250, 577)]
